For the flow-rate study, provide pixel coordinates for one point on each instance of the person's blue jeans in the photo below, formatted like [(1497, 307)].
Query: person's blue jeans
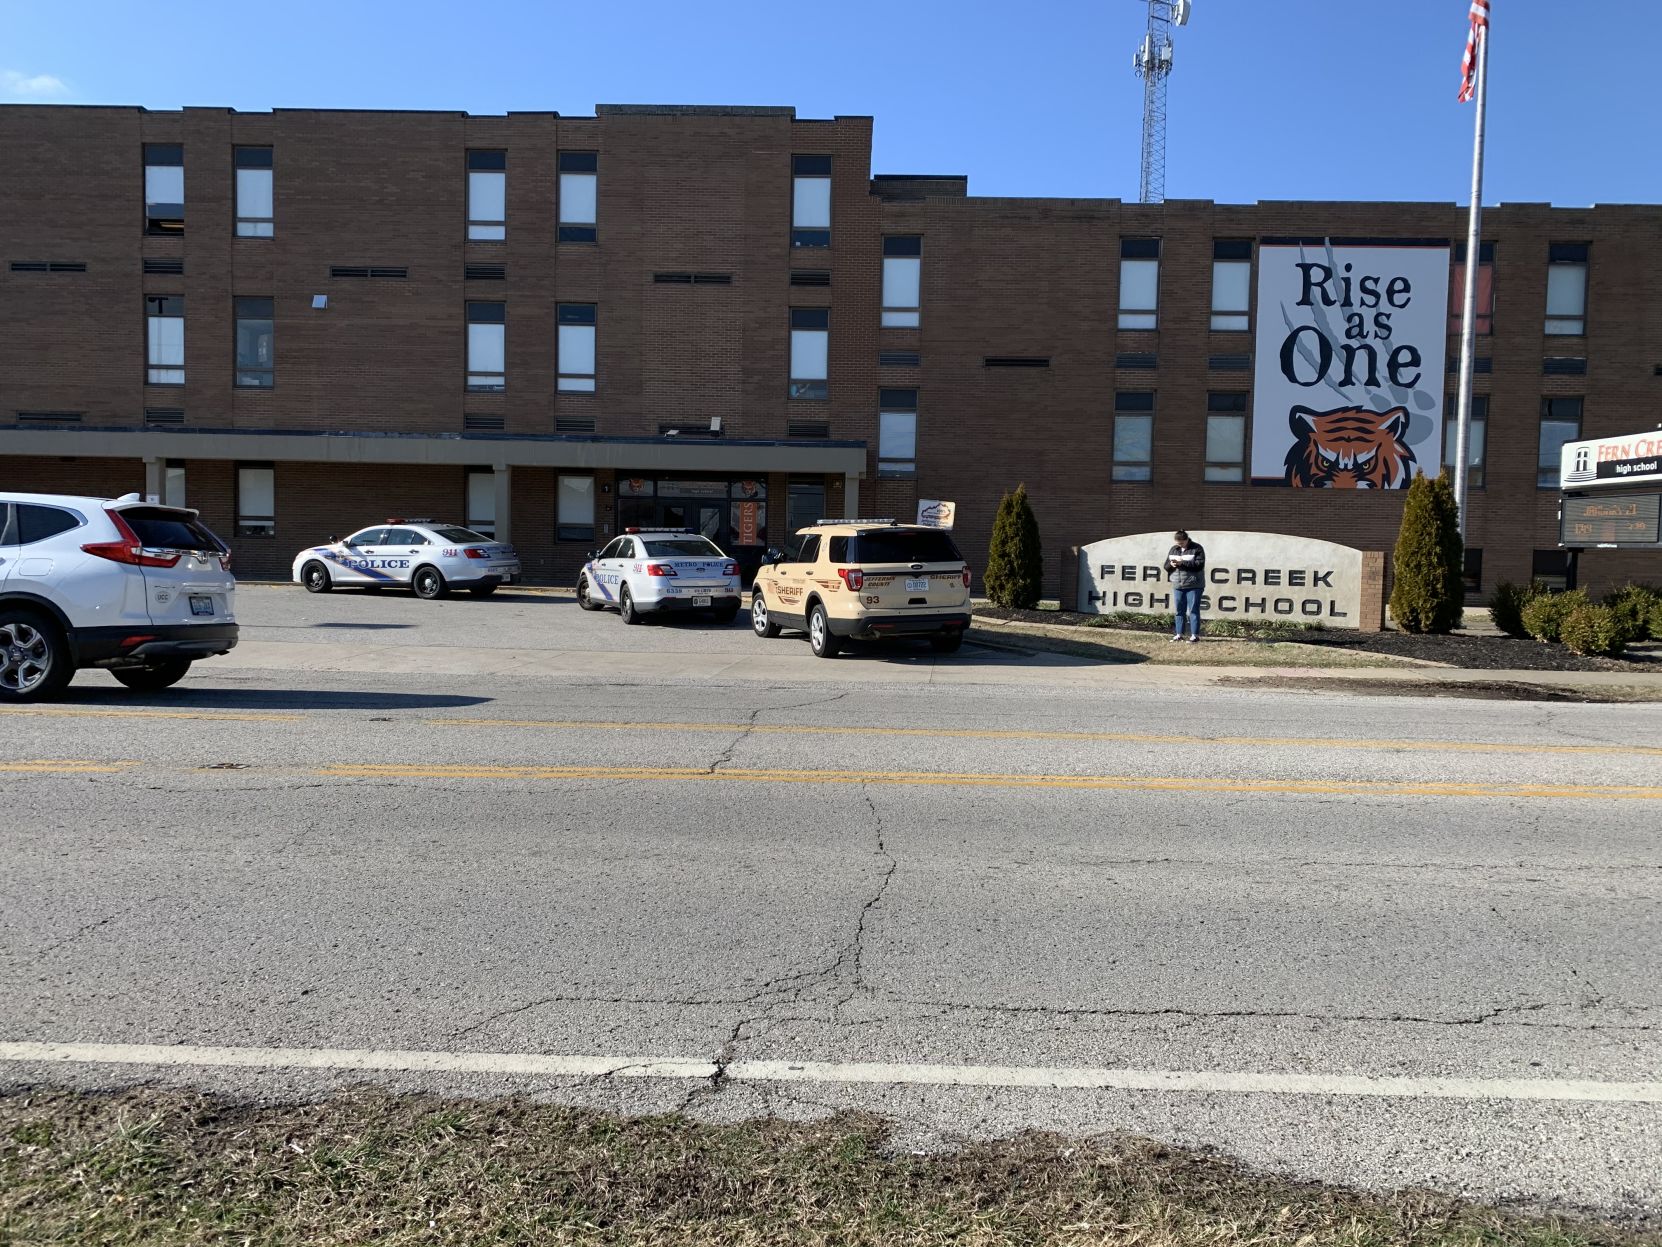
[(1188, 604)]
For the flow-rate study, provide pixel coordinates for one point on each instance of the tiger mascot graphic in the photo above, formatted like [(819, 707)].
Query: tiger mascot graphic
[(1349, 448)]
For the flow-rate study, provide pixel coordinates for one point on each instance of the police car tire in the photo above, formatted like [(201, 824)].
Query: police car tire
[(761, 623), (583, 599), (626, 608), (22, 626), (820, 639), (428, 583), (315, 577), (153, 677)]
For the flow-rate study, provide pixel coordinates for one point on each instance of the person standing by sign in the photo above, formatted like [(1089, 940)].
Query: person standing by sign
[(1186, 568)]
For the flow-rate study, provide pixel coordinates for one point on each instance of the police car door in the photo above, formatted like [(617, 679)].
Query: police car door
[(401, 549), (354, 555), (621, 565)]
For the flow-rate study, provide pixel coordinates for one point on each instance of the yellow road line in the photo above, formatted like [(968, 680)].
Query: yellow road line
[(64, 766), (1145, 738), (75, 712), (1144, 783)]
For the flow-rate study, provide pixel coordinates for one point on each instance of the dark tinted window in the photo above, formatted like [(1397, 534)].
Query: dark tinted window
[(459, 535), (683, 548), (37, 523), (403, 537), (369, 537), (170, 530), (903, 545), (809, 553), (839, 549)]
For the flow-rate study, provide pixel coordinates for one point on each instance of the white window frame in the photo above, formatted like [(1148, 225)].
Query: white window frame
[(1221, 468), (164, 184), (479, 501), (487, 200), (897, 443), (579, 197), (1135, 310), (810, 360), (255, 187), (902, 281), (576, 346), (487, 354), (810, 204), (1567, 298)]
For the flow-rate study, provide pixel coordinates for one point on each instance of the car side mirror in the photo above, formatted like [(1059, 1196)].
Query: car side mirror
[(593, 554), (333, 539), (775, 557)]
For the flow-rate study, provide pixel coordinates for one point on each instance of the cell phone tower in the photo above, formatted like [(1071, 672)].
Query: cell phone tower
[(1152, 64)]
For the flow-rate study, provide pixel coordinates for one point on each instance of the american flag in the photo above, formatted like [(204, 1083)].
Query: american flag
[(1468, 63)]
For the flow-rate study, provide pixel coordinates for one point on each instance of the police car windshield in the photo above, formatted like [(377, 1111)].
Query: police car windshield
[(682, 548), (459, 534)]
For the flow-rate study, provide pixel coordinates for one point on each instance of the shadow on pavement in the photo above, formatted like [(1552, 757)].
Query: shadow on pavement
[(186, 698), (360, 625), (974, 654)]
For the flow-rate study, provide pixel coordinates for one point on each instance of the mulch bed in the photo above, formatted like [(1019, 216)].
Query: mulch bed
[(1472, 652)]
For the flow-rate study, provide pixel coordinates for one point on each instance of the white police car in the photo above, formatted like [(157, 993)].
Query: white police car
[(430, 558), (648, 570)]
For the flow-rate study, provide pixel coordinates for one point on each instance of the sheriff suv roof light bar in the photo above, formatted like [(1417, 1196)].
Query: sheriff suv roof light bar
[(885, 519)]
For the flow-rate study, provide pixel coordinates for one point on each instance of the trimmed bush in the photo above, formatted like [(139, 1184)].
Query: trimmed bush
[(1506, 606), (1594, 631), (1427, 567), (1544, 615), (1015, 562), (1653, 623), (1634, 605)]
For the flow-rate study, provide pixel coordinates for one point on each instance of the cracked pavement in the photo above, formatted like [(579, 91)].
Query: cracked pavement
[(721, 920)]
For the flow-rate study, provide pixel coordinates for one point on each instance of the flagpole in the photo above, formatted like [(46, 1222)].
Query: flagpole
[(1474, 262)]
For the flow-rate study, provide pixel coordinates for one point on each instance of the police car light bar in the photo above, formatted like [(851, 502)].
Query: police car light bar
[(680, 531), (411, 520), (886, 519)]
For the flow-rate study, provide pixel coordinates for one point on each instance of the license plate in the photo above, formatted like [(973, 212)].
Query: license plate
[(702, 601), (917, 586), (201, 605)]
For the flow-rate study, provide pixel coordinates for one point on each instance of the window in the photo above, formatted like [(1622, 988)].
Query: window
[(807, 548), (1560, 423), (881, 546), (479, 510), (810, 201), (253, 165), (1472, 573), (579, 178), (487, 347), (256, 344), (575, 521), (902, 271), (1226, 437), (576, 347), (1139, 283), (257, 501), (810, 352), (1476, 438), (162, 529), (164, 188), (487, 196), (1133, 435), (1567, 288), (164, 322), (1231, 284), (1551, 569), (897, 432), (1485, 290), (173, 483), (36, 522)]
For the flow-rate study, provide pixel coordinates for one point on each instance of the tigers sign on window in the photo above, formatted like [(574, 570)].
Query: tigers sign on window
[(1348, 388)]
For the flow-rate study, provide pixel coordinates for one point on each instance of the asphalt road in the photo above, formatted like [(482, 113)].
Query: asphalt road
[(1376, 940)]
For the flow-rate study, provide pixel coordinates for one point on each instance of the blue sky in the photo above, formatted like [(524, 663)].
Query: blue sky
[(1271, 99)]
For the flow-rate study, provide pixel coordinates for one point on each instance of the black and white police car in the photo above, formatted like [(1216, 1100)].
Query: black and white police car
[(431, 559), (651, 570)]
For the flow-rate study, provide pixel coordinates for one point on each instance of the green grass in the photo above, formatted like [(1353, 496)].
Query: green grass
[(155, 1166)]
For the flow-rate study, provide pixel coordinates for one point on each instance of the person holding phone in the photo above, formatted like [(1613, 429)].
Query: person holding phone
[(1186, 568)]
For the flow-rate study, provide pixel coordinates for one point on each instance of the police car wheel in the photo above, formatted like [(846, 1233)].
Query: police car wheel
[(583, 598), (429, 584), (820, 639), (315, 576), (153, 677), (626, 608), (759, 621)]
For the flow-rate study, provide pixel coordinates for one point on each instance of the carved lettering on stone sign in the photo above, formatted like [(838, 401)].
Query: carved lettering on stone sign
[(1248, 576)]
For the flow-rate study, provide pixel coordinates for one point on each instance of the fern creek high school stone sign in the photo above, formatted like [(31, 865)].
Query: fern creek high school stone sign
[(1254, 576)]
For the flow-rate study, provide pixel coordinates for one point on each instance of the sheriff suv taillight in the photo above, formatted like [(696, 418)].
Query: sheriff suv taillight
[(659, 569), (966, 578), (853, 577), (130, 549)]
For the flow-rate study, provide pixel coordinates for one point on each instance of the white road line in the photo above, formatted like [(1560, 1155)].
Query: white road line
[(906, 1074)]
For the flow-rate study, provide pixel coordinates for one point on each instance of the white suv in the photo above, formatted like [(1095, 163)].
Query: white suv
[(139, 589)]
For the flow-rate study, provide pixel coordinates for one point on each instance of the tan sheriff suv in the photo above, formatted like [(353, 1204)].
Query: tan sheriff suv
[(863, 579)]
